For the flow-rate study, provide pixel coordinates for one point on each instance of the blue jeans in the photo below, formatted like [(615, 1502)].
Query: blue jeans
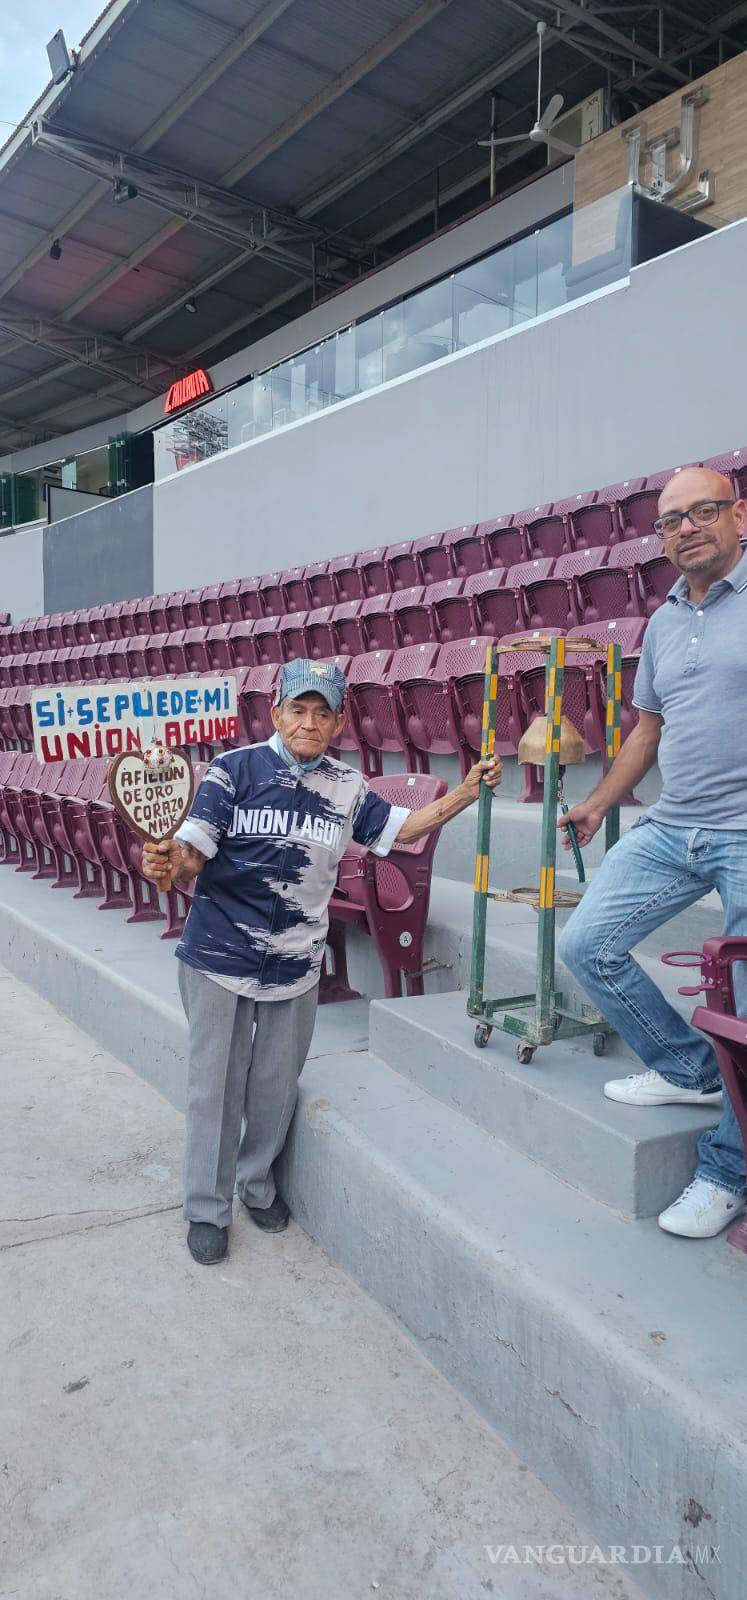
[(654, 872)]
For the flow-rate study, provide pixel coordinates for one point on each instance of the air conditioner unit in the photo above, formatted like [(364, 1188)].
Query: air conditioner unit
[(582, 122)]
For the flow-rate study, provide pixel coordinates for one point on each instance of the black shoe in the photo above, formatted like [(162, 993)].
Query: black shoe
[(274, 1218), (207, 1243)]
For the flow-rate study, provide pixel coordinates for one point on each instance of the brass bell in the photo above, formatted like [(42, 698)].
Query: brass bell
[(533, 744)]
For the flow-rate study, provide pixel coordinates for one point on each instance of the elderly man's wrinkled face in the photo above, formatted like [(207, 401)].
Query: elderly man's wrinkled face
[(307, 725), (701, 523)]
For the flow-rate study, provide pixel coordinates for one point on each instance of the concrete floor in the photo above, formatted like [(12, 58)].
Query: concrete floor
[(253, 1431)]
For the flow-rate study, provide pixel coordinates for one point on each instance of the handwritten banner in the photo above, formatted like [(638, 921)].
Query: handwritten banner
[(83, 720)]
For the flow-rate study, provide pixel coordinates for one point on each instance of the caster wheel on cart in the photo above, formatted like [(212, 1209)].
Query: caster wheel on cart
[(482, 1034), (524, 1053), (599, 1043)]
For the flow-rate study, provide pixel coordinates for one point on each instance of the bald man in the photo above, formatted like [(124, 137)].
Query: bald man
[(690, 692)]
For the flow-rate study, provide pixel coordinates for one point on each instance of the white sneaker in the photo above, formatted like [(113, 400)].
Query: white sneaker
[(703, 1209), (650, 1089)]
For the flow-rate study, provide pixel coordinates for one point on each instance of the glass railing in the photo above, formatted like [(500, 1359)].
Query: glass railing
[(515, 284)]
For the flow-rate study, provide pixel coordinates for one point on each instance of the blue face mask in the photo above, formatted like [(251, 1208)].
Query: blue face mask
[(290, 760)]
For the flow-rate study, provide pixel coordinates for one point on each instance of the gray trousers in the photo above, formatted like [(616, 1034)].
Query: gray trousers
[(245, 1059)]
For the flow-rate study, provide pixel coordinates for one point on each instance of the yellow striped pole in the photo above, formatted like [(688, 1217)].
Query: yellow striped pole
[(482, 856), (613, 732)]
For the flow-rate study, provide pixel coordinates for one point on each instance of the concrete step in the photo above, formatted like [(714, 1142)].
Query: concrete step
[(553, 1111), (603, 1350)]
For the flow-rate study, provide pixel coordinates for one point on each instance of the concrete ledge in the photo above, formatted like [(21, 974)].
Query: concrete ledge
[(553, 1111), (605, 1352), (119, 982)]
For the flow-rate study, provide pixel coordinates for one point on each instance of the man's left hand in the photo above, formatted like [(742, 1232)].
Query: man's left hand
[(491, 770)]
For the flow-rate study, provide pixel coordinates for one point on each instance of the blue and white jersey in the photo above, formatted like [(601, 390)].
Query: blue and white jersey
[(273, 835)]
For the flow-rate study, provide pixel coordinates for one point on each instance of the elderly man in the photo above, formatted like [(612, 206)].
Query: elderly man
[(691, 692), (266, 831)]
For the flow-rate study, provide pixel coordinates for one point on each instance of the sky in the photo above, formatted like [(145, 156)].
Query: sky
[(25, 28)]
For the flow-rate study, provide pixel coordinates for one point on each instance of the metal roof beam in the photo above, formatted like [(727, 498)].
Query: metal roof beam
[(338, 86), (235, 48), (193, 292), (455, 103), (469, 92), (235, 218), (693, 43), (708, 29), (633, 48), (42, 378), (140, 368)]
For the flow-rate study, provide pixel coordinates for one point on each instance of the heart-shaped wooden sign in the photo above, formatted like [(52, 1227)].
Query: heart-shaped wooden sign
[(152, 790)]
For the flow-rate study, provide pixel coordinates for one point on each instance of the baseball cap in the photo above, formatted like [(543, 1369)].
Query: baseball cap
[(312, 677)]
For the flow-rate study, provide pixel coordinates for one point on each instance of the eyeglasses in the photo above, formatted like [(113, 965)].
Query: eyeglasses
[(700, 515)]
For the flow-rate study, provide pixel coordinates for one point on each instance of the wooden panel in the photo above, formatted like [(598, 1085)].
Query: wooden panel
[(720, 145)]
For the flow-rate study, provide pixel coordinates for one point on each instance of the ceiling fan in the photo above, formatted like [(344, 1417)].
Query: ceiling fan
[(542, 132)]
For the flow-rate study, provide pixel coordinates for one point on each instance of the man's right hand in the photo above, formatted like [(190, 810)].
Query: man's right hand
[(162, 860), (586, 817)]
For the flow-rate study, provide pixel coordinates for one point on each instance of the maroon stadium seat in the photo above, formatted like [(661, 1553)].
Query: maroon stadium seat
[(615, 590), (371, 713), (155, 665), (374, 572), (505, 544), (498, 608), (389, 898), (256, 693), (243, 648), (526, 579), (321, 633), (346, 620), (413, 619), (347, 578), (377, 624), (426, 706), (270, 590), (554, 601), (402, 565), (599, 523), (192, 609), (119, 855), (433, 555), (291, 631), (210, 605), (140, 617), (218, 645), (546, 529), (443, 601), (196, 653), (468, 550), (733, 464), (295, 590), (267, 642), (454, 608), (321, 584), (69, 636), (174, 656)]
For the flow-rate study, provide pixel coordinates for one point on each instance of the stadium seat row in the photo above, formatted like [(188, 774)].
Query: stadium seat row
[(57, 823), (587, 586), (617, 514), (424, 699)]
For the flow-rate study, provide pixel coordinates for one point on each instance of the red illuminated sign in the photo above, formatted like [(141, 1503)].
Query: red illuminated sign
[(185, 390)]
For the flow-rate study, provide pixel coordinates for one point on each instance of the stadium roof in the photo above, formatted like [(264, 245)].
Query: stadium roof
[(226, 155)]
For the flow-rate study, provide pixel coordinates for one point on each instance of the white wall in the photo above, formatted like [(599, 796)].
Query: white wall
[(22, 572), (646, 375)]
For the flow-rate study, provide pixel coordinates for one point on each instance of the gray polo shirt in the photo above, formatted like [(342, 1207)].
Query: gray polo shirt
[(693, 673)]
